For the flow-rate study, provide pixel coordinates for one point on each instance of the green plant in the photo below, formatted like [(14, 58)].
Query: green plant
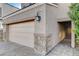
[(74, 16)]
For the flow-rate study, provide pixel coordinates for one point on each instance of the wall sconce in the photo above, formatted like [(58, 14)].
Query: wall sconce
[(37, 18)]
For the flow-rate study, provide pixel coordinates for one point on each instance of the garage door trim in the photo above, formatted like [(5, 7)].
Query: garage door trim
[(31, 20)]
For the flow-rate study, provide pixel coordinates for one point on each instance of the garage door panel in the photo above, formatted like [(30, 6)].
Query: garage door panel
[(22, 33), (28, 27)]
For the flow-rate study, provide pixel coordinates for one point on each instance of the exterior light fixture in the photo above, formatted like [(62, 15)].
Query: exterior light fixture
[(37, 18)]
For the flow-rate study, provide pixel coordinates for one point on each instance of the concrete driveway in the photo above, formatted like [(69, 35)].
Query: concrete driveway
[(13, 49)]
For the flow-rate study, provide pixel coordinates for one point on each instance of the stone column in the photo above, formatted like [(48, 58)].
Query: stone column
[(40, 43), (72, 36), (5, 32)]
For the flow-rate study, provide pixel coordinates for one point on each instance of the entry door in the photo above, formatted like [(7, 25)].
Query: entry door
[(22, 33)]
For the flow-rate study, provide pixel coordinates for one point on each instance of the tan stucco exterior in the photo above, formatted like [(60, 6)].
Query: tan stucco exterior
[(7, 9), (46, 31), (53, 16)]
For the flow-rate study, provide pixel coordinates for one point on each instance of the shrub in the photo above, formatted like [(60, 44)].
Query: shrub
[(74, 16)]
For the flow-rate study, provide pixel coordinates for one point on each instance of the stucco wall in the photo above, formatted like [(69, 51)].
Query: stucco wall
[(0, 12), (53, 15), (30, 14), (1, 35), (51, 27), (1, 5), (62, 13), (7, 9)]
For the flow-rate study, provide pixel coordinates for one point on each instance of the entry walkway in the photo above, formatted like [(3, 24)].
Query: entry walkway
[(64, 49)]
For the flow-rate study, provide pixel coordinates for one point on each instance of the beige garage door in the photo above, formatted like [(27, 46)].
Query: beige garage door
[(22, 33)]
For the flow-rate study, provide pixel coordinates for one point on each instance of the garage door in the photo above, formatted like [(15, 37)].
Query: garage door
[(22, 33)]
